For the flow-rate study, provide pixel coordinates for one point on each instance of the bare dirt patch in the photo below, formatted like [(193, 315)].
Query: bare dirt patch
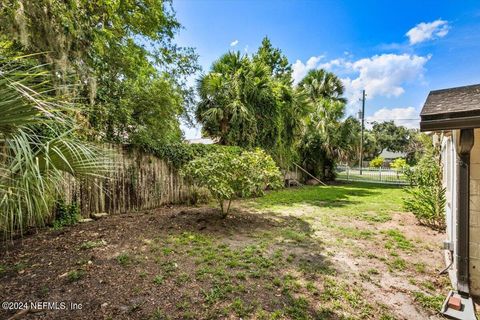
[(151, 265), (314, 259)]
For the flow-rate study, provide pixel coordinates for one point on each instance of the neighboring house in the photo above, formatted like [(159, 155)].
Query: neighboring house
[(454, 117), (389, 156)]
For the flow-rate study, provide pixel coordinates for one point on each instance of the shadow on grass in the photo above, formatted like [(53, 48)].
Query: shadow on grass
[(241, 228), (285, 268)]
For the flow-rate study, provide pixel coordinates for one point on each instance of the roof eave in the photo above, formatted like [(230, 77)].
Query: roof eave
[(450, 123)]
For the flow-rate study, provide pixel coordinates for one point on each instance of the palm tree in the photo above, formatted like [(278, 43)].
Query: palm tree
[(37, 151), (222, 98), (324, 91), (319, 84)]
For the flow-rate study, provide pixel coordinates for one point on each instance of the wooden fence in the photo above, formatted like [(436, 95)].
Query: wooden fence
[(140, 181)]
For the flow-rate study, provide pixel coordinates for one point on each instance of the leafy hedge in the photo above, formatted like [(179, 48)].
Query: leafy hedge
[(179, 154)]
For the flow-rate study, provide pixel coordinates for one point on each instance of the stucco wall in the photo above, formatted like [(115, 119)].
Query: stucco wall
[(475, 216)]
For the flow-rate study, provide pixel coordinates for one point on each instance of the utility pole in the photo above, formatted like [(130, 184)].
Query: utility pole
[(363, 128)]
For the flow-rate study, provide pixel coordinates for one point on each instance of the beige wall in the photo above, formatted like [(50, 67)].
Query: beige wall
[(475, 216)]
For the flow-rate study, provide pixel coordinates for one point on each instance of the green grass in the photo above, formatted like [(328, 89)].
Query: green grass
[(20, 266), (92, 244), (355, 233), (397, 264), (124, 259), (396, 240), (158, 280), (365, 201), (294, 235), (373, 271), (345, 296), (431, 302), (158, 314), (240, 308), (75, 275), (297, 308), (288, 261), (420, 267)]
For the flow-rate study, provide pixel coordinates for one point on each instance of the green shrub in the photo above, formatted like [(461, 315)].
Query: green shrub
[(227, 175), (376, 162), (426, 195), (399, 164), (66, 214)]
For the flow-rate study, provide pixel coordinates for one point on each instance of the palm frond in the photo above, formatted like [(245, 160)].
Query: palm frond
[(34, 167)]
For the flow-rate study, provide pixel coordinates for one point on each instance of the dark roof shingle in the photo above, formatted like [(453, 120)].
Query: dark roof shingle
[(453, 100)]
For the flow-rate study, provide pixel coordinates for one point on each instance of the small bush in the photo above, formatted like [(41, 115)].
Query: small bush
[(65, 214), (376, 162), (227, 175), (399, 164)]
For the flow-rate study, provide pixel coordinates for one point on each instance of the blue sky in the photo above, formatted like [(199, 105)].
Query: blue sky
[(396, 51)]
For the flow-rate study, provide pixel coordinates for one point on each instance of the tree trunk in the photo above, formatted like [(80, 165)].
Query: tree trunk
[(225, 212), (223, 130)]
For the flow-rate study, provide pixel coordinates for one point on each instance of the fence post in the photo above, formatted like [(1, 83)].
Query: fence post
[(380, 171)]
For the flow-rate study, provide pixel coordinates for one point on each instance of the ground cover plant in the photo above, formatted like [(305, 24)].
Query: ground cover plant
[(339, 252)]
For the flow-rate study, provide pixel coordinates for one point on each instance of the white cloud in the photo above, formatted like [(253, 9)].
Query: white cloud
[(233, 43), (428, 30), (300, 69), (338, 65), (383, 75), (380, 75), (408, 117)]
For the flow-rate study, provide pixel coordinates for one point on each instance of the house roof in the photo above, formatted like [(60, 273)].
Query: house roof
[(453, 108), (386, 154), (200, 141)]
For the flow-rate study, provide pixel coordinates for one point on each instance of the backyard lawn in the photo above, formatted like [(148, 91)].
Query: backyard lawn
[(339, 252)]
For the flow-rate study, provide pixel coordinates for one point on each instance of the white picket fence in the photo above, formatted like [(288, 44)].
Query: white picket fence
[(378, 175)]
